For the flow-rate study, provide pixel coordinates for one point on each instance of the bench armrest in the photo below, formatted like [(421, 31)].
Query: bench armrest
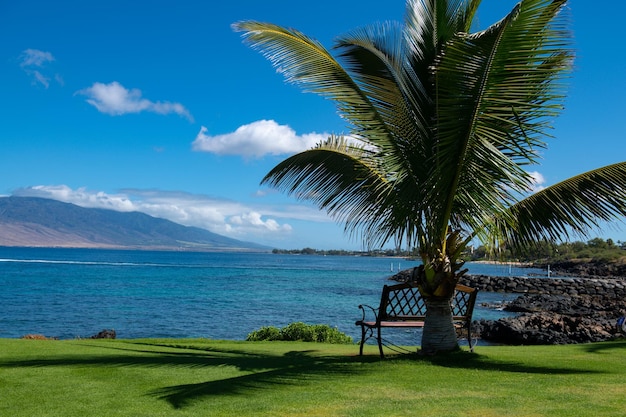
[(364, 307)]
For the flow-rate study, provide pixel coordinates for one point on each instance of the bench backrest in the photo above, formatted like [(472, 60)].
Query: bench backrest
[(404, 302)]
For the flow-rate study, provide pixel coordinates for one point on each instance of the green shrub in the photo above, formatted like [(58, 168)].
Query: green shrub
[(298, 331), (327, 334), (264, 333)]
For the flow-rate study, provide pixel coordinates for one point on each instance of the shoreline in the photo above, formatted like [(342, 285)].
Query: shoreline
[(504, 263)]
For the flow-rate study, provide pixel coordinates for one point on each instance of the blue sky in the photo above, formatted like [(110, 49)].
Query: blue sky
[(157, 106)]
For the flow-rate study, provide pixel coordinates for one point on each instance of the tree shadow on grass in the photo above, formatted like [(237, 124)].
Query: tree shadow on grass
[(604, 346), (293, 368), (251, 371), (302, 367), (265, 372), (254, 371), (475, 361)]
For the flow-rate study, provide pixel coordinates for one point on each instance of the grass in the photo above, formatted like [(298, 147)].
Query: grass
[(180, 377)]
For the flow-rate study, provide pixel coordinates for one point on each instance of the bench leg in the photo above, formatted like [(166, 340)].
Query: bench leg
[(469, 337), (362, 340), (380, 344)]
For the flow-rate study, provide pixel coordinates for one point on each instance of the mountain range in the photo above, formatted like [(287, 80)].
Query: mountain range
[(40, 222)]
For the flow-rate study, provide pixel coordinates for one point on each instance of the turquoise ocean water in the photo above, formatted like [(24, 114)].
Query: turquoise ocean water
[(70, 293)]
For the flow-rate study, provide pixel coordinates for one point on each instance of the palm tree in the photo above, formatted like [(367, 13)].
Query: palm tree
[(443, 123)]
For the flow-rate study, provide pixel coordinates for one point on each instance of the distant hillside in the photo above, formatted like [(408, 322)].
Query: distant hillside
[(39, 222)]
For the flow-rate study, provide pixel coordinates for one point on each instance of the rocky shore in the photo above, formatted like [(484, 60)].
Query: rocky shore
[(552, 310), (555, 310), (580, 268)]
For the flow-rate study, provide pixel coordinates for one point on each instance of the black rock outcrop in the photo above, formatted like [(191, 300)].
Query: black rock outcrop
[(552, 310), (556, 311)]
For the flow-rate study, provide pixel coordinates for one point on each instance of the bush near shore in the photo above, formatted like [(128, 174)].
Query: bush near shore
[(300, 332)]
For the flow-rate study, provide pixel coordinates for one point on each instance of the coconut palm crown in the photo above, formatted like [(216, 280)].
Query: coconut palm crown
[(443, 122)]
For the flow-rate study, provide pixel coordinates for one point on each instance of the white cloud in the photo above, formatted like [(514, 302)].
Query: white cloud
[(116, 100), (32, 61), (40, 78), (538, 181), (221, 216), (255, 220), (35, 58), (81, 197), (256, 140)]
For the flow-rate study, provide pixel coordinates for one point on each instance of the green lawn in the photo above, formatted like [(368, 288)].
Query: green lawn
[(176, 377)]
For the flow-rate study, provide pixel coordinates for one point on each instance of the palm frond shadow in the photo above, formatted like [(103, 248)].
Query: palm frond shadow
[(601, 347), (181, 395), (262, 371), (475, 361), (266, 372)]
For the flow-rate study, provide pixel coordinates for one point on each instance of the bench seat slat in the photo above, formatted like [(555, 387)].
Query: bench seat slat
[(408, 323)]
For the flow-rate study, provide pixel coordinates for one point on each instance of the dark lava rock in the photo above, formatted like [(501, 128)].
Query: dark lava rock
[(546, 329), (554, 310), (556, 319), (105, 334)]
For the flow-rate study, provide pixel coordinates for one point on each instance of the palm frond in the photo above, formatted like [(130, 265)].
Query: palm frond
[(374, 58), (572, 207), (375, 91), (338, 177), (497, 91), (305, 62)]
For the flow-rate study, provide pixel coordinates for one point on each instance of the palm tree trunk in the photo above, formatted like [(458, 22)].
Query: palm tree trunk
[(439, 334)]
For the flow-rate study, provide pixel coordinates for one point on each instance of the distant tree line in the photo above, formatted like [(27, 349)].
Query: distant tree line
[(596, 249), (342, 252)]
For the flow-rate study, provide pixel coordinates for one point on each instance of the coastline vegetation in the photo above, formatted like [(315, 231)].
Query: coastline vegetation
[(343, 252), (190, 377), (596, 249)]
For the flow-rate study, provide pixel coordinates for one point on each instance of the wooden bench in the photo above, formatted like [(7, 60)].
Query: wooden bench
[(402, 306)]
